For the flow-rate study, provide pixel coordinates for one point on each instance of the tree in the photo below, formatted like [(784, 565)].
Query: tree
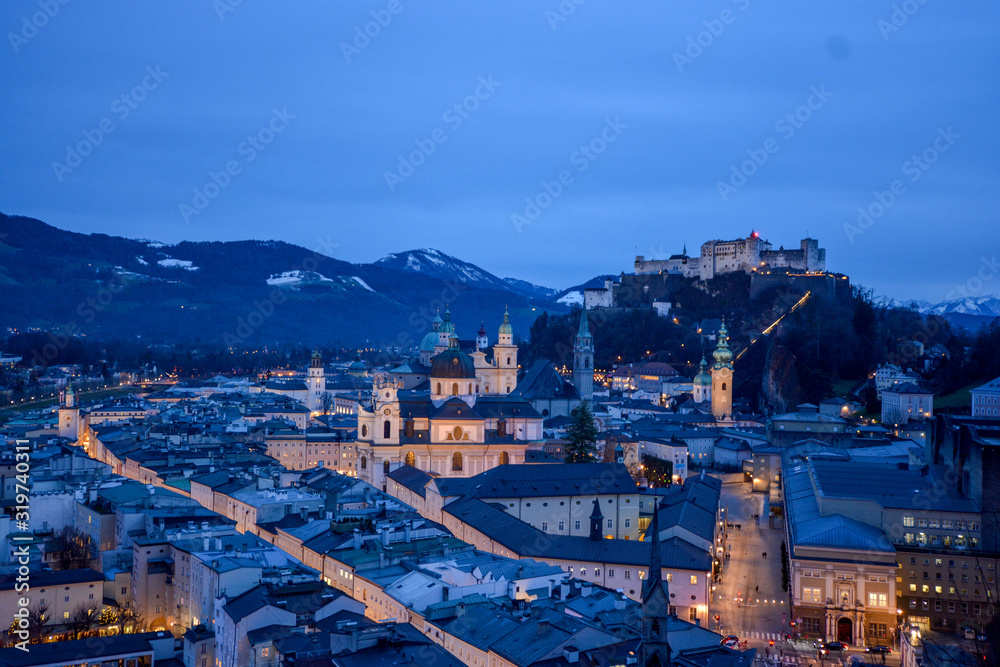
[(657, 471), (582, 435), (72, 549), (127, 620), (84, 619)]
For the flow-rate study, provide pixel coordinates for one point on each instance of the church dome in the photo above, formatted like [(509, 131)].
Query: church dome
[(453, 364), (506, 328), (430, 339), (723, 355), (703, 378), (357, 366)]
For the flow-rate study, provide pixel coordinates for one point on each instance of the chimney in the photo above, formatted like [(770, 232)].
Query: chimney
[(563, 590), (620, 602), (218, 544), (385, 537), (543, 628), (357, 538), (571, 654), (586, 588), (204, 543)]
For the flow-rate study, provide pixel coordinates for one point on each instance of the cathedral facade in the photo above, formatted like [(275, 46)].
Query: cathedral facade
[(460, 422)]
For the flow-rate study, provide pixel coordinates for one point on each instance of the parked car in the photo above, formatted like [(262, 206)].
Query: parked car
[(832, 647), (731, 641), (884, 650)]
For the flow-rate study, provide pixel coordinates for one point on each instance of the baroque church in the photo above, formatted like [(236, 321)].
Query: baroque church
[(448, 413)]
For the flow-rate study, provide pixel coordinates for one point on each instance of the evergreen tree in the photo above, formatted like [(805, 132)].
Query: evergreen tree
[(582, 435)]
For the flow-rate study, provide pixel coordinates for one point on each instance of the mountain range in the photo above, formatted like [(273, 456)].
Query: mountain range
[(244, 292), (251, 293)]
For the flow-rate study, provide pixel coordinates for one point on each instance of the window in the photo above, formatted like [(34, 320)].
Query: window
[(913, 587), (628, 523), (810, 595), (694, 579), (545, 526), (386, 429), (611, 523), (576, 525), (65, 614), (411, 459), (562, 526), (908, 521), (264, 652), (925, 589), (628, 574), (878, 599), (611, 572), (456, 461)]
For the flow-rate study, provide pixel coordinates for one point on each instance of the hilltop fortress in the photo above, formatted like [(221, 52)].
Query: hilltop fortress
[(750, 255)]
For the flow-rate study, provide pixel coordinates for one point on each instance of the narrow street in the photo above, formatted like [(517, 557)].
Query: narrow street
[(749, 600)]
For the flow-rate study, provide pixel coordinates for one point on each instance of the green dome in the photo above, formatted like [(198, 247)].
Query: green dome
[(703, 378), (505, 328), (428, 342), (723, 355), (446, 325)]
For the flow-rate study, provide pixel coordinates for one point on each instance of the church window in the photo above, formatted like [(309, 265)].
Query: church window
[(470, 388), (454, 389), (723, 386), (457, 433), (477, 388), (456, 461), (386, 429), (439, 388), (504, 458), (364, 430), (385, 466), (364, 463), (411, 460), (508, 361), (655, 628)]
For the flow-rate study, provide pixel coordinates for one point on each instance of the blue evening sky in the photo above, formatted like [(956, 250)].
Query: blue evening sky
[(643, 108)]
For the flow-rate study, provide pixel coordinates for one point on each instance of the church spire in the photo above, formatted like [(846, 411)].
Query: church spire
[(655, 649), (584, 331), (655, 558)]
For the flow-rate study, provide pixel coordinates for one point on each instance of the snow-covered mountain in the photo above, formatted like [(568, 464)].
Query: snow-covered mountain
[(530, 289), (982, 306), (436, 264)]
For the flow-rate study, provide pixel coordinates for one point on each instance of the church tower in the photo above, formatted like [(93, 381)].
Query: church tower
[(482, 342), (583, 360), (701, 387), (655, 649), (722, 377), (505, 357), (69, 416), (316, 382)]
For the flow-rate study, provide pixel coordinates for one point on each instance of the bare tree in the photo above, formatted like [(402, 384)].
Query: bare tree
[(72, 550), (84, 620), (129, 618)]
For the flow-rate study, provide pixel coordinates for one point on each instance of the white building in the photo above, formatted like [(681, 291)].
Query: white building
[(907, 401), (986, 399)]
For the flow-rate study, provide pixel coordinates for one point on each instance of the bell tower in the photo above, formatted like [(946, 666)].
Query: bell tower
[(655, 649), (69, 416), (316, 382), (583, 360), (722, 377)]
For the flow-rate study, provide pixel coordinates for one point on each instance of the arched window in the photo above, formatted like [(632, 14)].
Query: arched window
[(364, 463), (385, 467), (411, 460), (470, 388), (477, 388), (508, 361), (504, 458), (655, 628), (456, 461), (439, 388), (386, 429), (586, 362), (723, 386), (454, 389)]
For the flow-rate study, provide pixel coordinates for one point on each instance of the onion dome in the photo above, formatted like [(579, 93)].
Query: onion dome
[(505, 328), (703, 378), (723, 355)]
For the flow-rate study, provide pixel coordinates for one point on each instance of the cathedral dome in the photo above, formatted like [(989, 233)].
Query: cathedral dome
[(453, 364), (430, 339)]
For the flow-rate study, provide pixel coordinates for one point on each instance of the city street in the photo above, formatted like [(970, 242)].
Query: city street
[(748, 599)]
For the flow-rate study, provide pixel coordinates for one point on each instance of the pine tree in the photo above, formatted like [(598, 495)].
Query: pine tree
[(582, 435)]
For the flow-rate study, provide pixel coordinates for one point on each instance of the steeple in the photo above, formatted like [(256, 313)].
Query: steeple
[(446, 325), (685, 251), (583, 360), (655, 649), (596, 521)]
